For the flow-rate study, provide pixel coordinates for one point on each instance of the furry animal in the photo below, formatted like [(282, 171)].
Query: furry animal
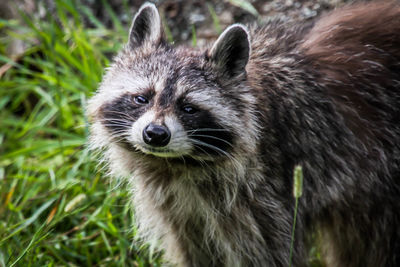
[(208, 138)]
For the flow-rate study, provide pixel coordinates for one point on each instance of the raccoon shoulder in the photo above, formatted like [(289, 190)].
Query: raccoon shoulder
[(357, 52), (350, 55)]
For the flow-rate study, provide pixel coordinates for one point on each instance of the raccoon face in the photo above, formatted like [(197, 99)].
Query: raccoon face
[(148, 122), (173, 103)]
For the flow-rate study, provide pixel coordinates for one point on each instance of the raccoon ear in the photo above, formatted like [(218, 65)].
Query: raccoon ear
[(146, 26), (231, 51)]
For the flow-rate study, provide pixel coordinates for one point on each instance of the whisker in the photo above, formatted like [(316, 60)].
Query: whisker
[(212, 137), (208, 129), (216, 149), (117, 139), (124, 115), (117, 112), (205, 152), (202, 161), (116, 126), (116, 120), (120, 133)]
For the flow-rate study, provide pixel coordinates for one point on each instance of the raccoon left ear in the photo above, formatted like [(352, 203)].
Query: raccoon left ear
[(231, 51), (146, 26)]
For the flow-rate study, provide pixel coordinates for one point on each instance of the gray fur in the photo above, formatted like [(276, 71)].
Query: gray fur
[(325, 95)]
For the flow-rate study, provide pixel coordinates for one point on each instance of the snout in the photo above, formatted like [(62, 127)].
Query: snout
[(156, 135)]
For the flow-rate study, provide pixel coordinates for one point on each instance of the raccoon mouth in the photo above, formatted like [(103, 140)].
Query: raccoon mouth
[(159, 152)]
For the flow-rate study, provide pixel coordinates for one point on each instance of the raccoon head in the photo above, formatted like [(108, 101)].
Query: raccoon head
[(175, 102)]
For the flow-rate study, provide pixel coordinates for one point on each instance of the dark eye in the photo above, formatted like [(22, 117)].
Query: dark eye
[(189, 109), (140, 100)]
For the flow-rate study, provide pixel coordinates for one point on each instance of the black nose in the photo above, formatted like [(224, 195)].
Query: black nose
[(156, 135)]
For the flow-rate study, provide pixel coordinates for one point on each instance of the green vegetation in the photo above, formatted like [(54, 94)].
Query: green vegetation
[(297, 192), (56, 207)]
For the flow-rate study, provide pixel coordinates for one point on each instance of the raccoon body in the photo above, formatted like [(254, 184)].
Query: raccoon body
[(208, 139)]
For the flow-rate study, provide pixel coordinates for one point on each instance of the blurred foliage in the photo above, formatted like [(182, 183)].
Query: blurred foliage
[(56, 208)]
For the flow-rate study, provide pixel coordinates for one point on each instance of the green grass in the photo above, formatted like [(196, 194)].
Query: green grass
[(56, 207)]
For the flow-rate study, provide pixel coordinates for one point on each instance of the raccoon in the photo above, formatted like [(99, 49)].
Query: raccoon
[(207, 139)]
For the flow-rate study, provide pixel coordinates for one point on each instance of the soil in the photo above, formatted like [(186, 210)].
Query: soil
[(182, 17)]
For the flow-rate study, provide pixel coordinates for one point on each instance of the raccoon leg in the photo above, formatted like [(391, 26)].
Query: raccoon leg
[(354, 239)]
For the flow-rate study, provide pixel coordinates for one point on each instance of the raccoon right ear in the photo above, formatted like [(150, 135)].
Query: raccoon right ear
[(231, 51), (146, 26)]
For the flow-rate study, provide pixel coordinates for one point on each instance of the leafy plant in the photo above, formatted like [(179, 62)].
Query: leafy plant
[(55, 206)]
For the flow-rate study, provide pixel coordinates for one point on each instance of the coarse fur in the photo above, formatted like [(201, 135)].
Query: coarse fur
[(208, 138)]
